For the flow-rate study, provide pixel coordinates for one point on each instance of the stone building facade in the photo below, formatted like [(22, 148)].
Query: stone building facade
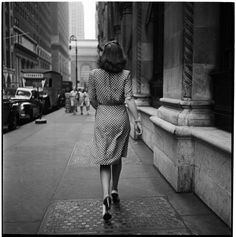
[(30, 38), (181, 56), (86, 60), (76, 19), (60, 38)]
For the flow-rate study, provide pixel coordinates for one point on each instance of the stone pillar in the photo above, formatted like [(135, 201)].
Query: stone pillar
[(142, 55), (126, 31), (190, 52), (116, 20), (189, 56)]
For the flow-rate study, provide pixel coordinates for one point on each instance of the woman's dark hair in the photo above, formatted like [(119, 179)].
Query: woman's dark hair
[(113, 58)]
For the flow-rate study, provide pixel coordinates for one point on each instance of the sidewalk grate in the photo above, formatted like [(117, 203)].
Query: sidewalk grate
[(141, 216)]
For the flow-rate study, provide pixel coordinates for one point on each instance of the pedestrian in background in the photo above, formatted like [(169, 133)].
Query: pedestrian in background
[(86, 101), (81, 100), (109, 88), (73, 100)]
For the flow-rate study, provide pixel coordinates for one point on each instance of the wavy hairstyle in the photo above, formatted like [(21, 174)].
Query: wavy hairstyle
[(113, 58)]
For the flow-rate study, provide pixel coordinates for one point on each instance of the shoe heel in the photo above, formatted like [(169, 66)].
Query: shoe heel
[(107, 204), (115, 198)]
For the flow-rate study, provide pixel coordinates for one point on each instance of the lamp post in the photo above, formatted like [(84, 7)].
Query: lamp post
[(73, 38)]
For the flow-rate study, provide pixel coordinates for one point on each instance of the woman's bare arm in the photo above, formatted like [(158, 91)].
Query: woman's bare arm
[(133, 109)]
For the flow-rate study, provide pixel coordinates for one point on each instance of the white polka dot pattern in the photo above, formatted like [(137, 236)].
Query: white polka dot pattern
[(107, 93)]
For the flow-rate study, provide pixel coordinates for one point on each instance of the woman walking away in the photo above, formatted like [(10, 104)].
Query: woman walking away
[(81, 101), (109, 87), (73, 100), (86, 101)]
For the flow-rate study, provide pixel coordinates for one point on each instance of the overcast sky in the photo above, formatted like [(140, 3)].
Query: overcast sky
[(89, 18)]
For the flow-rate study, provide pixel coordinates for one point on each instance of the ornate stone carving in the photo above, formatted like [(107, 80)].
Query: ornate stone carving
[(139, 49), (116, 14), (126, 8), (188, 50)]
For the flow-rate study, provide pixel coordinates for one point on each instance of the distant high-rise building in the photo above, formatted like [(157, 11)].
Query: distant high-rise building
[(60, 38), (26, 39), (34, 35), (76, 19)]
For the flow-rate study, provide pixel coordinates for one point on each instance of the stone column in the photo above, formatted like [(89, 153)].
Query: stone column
[(126, 30), (190, 52), (189, 56), (116, 20), (142, 55)]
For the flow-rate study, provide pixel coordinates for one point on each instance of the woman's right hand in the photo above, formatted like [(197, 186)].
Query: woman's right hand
[(138, 128)]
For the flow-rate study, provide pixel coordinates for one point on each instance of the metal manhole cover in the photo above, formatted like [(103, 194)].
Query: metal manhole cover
[(141, 216)]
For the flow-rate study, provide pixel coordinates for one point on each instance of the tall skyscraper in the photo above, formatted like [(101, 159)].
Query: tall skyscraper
[(76, 19), (34, 35), (26, 39), (60, 38)]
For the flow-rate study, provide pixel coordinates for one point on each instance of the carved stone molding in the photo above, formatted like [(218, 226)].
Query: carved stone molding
[(139, 49), (116, 29), (116, 15), (188, 50), (126, 8)]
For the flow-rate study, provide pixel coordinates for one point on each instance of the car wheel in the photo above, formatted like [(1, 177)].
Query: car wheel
[(31, 115), (13, 122)]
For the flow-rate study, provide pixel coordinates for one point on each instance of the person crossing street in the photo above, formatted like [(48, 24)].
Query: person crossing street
[(86, 101), (81, 100)]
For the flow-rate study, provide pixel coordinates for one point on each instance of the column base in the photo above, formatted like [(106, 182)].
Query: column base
[(142, 99), (173, 151), (186, 112)]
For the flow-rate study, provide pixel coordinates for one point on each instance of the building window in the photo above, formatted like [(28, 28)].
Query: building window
[(8, 57), (8, 81), (50, 82), (223, 78), (156, 84)]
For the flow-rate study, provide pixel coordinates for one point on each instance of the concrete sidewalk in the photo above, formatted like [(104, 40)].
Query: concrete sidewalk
[(50, 186)]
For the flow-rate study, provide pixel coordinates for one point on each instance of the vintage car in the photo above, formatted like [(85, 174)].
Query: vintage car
[(28, 103), (10, 114)]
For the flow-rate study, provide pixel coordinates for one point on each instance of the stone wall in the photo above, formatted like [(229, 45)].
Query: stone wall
[(213, 171), (192, 159), (190, 34)]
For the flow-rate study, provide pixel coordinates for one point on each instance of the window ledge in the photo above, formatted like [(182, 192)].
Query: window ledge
[(214, 136), (148, 110), (211, 135)]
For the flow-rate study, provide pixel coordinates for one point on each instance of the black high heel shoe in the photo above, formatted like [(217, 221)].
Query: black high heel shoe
[(115, 197), (106, 208)]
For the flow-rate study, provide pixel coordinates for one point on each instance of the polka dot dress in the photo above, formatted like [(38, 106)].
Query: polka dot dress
[(107, 93)]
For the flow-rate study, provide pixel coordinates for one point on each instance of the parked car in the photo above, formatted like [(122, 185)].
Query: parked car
[(28, 103), (10, 114), (61, 99)]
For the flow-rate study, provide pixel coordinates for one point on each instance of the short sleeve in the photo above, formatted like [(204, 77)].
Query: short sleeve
[(128, 87), (92, 90)]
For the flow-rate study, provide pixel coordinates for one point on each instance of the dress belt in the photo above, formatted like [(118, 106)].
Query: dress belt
[(112, 104)]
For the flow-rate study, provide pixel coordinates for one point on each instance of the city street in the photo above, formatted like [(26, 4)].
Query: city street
[(50, 186)]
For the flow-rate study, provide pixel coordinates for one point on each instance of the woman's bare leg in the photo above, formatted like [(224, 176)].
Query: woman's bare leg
[(116, 169), (105, 176), (81, 109)]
